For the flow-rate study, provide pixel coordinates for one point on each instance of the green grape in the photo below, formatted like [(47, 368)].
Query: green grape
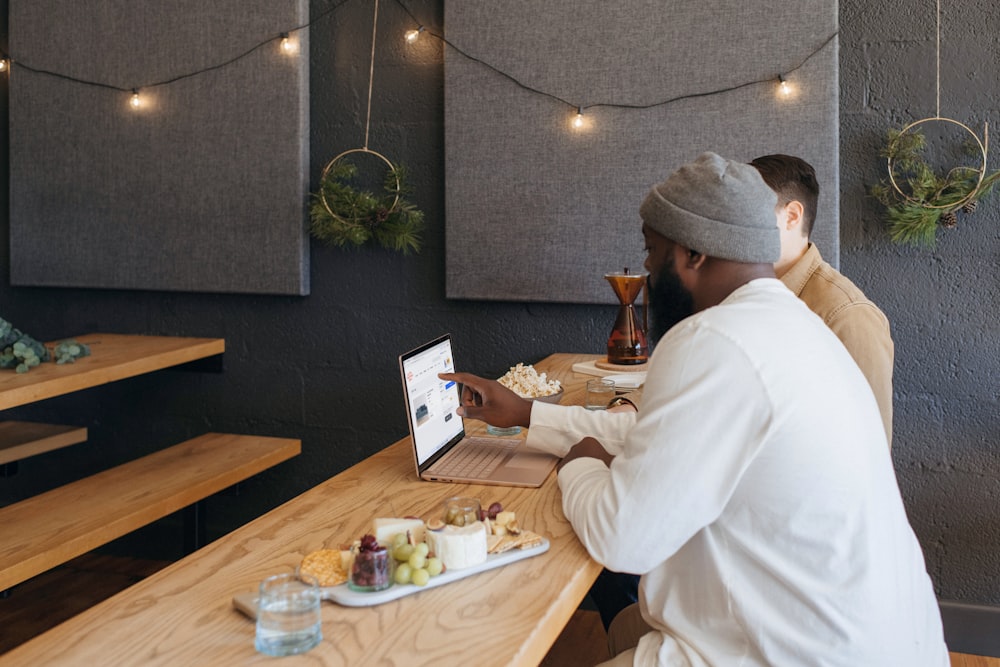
[(402, 553), (434, 566), (420, 577), (417, 560), (403, 573), (398, 540), (422, 549)]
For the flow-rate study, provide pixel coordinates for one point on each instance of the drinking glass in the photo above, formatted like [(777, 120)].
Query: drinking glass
[(600, 391), (288, 615)]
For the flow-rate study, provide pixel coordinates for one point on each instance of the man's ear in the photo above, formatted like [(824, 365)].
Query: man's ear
[(794, 212), (693, 260)]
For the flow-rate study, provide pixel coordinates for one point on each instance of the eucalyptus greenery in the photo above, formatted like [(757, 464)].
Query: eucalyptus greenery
[(343, 215), (932, 200)]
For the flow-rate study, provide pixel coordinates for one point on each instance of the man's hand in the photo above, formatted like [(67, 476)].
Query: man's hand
[(588, 447), (490, 401)]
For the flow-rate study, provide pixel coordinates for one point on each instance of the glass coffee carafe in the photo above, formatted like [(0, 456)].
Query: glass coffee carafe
[(627, 344)]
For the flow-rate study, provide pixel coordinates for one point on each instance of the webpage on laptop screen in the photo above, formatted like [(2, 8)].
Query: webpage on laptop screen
[(432, 400)]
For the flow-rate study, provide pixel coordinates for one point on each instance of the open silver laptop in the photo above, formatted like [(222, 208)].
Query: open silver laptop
[(441, 450)]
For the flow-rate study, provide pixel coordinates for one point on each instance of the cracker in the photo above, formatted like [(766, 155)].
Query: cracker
[(326, 565), (525, 540)]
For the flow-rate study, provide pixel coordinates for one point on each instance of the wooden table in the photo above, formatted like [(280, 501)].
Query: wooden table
[(183, 615), (113, 357)]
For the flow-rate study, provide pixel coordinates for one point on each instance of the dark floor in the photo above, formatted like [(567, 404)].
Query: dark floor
[(47, 600)]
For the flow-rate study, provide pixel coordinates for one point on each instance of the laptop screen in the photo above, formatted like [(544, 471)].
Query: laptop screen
[(431, 401)]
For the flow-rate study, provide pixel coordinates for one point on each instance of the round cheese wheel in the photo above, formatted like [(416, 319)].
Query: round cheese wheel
[(459, 546)]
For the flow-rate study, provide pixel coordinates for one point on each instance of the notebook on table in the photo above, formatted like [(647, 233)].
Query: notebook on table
[(442, 452)]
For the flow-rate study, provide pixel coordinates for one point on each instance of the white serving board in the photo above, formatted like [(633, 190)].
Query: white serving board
[(343, 595)]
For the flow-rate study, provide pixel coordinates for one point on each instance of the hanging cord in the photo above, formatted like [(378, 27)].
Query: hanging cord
[(371, 76), (938, 48)]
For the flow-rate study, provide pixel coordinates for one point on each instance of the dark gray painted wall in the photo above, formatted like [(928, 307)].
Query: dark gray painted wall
[(943, 305), (323, 367)]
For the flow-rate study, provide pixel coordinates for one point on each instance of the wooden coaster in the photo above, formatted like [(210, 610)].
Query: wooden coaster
[(621, 368)]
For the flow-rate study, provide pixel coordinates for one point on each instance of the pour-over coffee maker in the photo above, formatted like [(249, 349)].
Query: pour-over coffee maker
[(627, 344)]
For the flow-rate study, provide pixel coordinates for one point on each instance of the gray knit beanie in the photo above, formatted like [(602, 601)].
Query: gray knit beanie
[(717, 207)]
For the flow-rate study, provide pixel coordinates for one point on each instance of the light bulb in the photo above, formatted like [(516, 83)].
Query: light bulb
[(412, 35), (134, 101), (783, 87), (578, 120), (3, 65), (289, 45)]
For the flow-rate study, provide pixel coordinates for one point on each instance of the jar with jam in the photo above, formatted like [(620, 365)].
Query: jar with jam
[(372, 568)]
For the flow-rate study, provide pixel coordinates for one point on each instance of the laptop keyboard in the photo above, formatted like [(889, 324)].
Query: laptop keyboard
[(479, 458)]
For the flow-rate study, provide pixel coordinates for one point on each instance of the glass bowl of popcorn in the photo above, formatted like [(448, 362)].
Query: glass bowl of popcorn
[(526, 382)]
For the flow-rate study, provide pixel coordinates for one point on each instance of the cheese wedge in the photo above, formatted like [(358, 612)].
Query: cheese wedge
[(385, 528)]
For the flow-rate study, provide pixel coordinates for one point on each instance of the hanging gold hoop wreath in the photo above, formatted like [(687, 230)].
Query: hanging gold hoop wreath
[(931, 201), (345, 216), (330, 166), (982, 145)]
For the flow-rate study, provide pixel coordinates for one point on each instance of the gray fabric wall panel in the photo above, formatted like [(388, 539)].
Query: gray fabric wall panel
[(203, 188), (538, 211)]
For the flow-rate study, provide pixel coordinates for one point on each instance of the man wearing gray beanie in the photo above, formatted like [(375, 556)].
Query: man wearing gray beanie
[(721, 208), (767, 528)]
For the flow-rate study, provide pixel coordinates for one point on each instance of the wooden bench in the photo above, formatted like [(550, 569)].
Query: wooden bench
[(49, 529), (19, 440)]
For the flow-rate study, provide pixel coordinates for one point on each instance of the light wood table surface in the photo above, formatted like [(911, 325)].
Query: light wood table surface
[(183, 615), (113, 357)]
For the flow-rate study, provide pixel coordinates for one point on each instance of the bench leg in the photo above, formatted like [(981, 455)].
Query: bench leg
[(194, 527), (195, 534)]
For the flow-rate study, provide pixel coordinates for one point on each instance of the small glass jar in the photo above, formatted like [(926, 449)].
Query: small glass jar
[(460, 511), (371, 571)]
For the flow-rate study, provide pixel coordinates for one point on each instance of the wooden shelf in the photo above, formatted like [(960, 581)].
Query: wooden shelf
[(112, 357), (19, 440)]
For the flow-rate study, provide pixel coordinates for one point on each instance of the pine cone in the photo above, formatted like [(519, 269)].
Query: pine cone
[(949, 220), (969, 206), (379, 216)]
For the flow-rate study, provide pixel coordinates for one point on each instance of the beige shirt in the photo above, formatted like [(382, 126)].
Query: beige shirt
[(858, 323)]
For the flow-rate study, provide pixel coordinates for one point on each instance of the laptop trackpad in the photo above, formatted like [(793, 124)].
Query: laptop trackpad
[(528, 459)]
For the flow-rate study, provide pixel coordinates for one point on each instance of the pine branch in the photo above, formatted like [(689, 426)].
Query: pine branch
[(344, 216)]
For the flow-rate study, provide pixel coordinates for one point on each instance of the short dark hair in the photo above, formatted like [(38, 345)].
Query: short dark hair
[(792, 179)]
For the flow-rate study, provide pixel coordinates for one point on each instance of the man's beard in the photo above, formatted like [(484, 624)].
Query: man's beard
[(669, 302)]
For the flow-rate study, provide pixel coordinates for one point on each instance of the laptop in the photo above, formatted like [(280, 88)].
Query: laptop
[(442, 451)]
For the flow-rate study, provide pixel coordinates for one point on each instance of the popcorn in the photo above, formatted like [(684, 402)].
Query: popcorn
[(527, 383)]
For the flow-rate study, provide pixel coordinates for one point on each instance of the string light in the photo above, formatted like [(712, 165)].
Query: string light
[(783, 86), (412, 35), (580, 122), (288, 45)]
